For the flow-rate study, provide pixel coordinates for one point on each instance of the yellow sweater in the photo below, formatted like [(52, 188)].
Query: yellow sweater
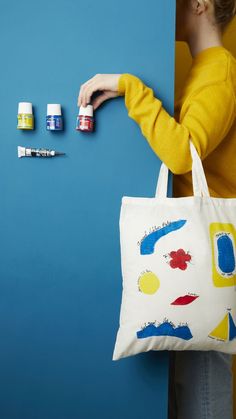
[(206, 112)]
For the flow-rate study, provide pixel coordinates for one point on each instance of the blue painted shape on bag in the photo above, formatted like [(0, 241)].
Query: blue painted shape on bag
[(148, 243), (232, 328), (165, 329), (226, 258)]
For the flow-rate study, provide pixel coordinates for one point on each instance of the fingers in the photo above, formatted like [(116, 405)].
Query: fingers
[(88, 88), (103, 97), (85, 93), (100, 82), (99, 100)]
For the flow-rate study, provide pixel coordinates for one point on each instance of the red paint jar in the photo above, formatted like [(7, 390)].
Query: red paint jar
[(85, 120)]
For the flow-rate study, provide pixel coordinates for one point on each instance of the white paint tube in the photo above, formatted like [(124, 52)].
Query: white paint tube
[(37, 152)]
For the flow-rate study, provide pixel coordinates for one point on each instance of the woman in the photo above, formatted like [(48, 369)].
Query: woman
[(201, 382)]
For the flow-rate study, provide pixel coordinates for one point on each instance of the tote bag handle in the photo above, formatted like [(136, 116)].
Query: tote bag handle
[(200, 187)]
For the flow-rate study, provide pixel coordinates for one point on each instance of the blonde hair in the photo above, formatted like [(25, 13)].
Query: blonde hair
[(224, 11)]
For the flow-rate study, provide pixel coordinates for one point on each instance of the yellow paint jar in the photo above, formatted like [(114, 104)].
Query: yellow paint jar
[(25, 116)]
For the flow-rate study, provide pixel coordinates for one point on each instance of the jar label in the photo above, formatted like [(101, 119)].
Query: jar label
[(84, 123), (25, 121), (54, 122)]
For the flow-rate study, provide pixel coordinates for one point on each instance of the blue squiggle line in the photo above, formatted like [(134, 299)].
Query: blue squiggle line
[(148, 243)]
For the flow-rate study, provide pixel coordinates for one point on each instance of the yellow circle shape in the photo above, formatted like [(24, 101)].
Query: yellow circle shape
[(148, 283)]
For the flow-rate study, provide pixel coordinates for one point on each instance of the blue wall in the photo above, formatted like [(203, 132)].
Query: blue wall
[(60, 276)]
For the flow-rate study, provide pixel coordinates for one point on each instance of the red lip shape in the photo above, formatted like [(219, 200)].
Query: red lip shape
[(184, 300)]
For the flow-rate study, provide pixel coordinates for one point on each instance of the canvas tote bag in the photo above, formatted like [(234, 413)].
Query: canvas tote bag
[(178, 260)]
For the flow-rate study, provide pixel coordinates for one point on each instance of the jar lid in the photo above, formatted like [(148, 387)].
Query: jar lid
[(86, 110), (53, 109), (25, 107)]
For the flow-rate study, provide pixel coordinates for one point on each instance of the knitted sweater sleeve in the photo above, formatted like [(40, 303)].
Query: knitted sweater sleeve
[(206, 117)]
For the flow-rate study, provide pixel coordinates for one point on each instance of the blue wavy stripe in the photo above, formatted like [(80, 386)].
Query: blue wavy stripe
[(165, 329)]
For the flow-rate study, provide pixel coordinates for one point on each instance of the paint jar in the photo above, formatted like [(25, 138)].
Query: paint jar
[(54, 117), (25, 116), (85, 120)]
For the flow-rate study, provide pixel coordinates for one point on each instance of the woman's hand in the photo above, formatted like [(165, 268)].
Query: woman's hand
[(106, 83)]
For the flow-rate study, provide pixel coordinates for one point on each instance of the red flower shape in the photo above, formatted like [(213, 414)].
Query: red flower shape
[(179, 259)]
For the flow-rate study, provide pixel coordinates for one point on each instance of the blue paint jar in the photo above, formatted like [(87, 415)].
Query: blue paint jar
[(54, 117)]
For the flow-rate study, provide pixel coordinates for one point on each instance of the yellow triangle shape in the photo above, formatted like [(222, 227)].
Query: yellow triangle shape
[(222, 330)]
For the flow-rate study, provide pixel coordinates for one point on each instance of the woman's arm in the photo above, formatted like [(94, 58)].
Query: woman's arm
[(206, 117)]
